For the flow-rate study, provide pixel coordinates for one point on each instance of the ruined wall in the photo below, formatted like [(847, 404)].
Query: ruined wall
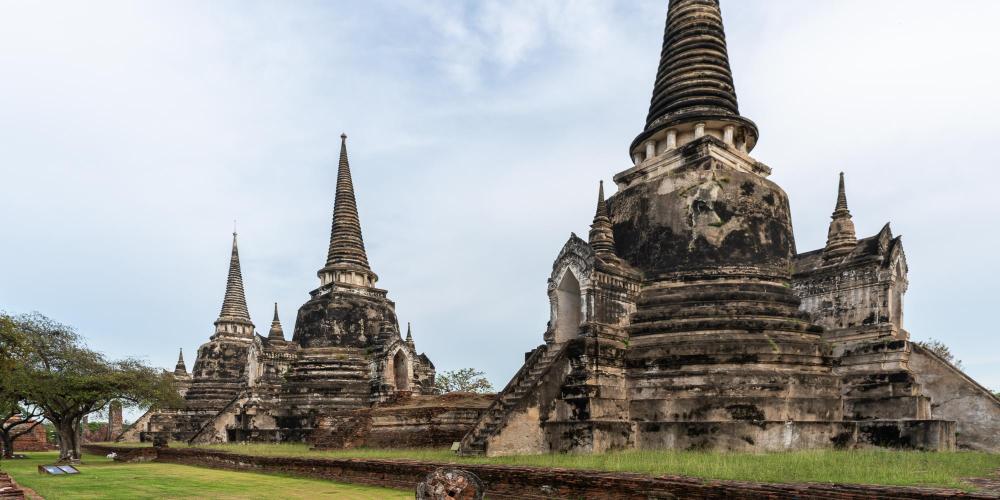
[(34, 440), (411, 422), (955, 396), (852, 297), (508, 482), (776, 436)]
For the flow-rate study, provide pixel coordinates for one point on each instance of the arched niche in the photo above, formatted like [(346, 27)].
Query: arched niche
[(568, 308), (400, 371)]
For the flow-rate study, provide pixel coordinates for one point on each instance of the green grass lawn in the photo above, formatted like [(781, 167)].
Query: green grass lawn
[(102, 478), (886, 467)]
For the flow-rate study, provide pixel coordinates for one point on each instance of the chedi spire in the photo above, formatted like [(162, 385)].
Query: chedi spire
[(346, 260), (694, 94), (180, 368), (234, 319), (841, 238), (276, 333), (602, 236)]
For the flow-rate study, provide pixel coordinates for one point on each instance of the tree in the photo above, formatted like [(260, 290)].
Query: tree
[(16, 420), (68, 381), (11, 348), (939, 348), (463, 380)]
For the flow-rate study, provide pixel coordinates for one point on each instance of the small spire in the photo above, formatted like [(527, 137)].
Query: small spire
[(347, 246), (602, 206), (180, 368), (409, 333), (602, 236), (276, 333), (841, 238), (841, 196), (234, 317)]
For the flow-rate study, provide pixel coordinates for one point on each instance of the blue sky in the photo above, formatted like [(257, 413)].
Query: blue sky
[(133, 133)]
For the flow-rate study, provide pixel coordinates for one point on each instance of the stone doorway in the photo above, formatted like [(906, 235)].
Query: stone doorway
[(568, 308), (401, 371)]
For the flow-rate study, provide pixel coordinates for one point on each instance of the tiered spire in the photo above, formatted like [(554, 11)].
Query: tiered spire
[(234, 319), (694, 82), (180, 369), (409, 334), (841, 238), (347, 247), (276, 333), (602, 236)]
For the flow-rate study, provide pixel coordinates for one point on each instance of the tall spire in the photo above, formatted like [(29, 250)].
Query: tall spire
[(841, 238), (694, 82), (346, 256), (602, 237), (180, 369), (276, 333), (234, 319)]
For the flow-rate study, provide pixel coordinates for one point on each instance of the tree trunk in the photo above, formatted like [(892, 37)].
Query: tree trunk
[(8, 444), (69, 441)]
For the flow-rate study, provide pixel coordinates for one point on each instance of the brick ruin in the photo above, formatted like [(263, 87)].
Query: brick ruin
[(687, 319), (34, 440), (346, 354)]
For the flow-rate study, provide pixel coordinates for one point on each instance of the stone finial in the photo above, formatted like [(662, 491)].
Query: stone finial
[(234, 318), (841, 238), (346, 253), (276, 333), (694, 81), (602, 237), (409, 334), (180, 368)]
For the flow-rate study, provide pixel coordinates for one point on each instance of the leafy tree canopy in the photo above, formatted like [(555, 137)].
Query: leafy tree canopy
[(68, 381), (463, 380), (942, 350)]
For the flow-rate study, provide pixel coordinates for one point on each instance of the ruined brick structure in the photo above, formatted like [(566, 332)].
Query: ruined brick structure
[(33, 440), (689, 321), (346, 352)]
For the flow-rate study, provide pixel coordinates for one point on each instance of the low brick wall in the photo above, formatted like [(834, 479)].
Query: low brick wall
[(9, 489), (506, 482)]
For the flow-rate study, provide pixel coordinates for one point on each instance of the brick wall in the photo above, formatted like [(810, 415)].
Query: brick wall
[(506, 482)]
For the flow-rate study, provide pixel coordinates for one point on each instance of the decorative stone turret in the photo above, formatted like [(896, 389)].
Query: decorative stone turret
[(180, 369), (841, 239), (602, 236), (694, 93), (409, 335), (234, 319), (276, 334), (182, 379), (346, 261)]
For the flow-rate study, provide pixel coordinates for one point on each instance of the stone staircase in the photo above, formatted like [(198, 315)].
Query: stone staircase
[(495, 418)]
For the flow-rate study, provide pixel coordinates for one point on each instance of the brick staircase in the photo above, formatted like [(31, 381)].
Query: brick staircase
[(8, 488), (495, 418)]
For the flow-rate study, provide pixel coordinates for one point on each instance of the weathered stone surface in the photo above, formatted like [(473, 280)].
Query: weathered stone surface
[(446, 484)]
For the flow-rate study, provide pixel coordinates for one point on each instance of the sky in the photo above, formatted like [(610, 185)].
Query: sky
[(133, 134)]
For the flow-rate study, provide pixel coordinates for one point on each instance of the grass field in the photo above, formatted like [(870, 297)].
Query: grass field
[(905, 468), (102, 478)]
